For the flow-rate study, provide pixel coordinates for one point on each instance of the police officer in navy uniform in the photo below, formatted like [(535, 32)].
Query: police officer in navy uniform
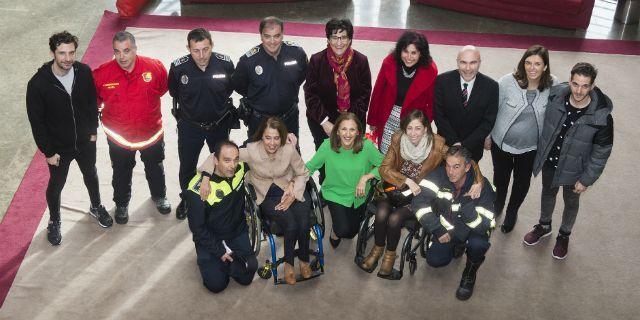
[(200, 86), (269, 77)]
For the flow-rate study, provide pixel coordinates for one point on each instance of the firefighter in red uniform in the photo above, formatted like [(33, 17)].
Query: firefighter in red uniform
[(130, 86)]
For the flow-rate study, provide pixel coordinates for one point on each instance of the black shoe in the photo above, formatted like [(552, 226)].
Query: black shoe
[(101, 214), (468, 281), (163, 205), (506, 229), (53, 233), (182, 210), (122, 214), (334, 243)]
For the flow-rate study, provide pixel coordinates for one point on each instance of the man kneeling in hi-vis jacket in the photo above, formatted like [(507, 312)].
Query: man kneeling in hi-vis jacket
[(455, 221)]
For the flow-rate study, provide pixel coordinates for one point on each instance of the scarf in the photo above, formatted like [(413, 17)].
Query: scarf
[(413, 153), (340, 65)]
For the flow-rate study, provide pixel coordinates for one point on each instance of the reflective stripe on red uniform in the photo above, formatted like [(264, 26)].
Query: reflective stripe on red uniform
[(131, 115)]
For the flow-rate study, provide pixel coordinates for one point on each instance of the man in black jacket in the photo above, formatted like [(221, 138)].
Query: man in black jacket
[(576, 142), (454, 220), (466, 103), (62, 110), (218, 223)]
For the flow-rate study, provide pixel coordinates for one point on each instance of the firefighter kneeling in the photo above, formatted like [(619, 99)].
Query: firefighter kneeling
[(455, 221)]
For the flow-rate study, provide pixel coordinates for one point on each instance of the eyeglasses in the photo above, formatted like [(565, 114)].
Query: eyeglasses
[(339, 39)]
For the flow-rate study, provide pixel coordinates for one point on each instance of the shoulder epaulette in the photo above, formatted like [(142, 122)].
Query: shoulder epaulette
[(221, 56), (181, 60), (253, 51)]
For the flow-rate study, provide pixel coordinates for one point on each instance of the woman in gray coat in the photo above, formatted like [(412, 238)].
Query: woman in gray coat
[(514, 138)]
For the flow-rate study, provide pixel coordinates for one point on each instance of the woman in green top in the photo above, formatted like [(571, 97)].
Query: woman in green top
[(350, 162)]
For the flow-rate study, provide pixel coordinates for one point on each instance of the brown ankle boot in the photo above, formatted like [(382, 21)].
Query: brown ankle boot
[(289, 274), (371, 261), (388, 260), (305, 269)]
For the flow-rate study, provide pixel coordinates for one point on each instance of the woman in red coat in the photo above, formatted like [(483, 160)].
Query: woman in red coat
[(405, 82)]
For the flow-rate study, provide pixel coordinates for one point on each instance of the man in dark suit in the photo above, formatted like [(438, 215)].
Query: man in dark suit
[(466, 103)]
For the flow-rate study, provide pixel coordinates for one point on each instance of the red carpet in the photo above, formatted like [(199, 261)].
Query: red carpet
[(28, 205)]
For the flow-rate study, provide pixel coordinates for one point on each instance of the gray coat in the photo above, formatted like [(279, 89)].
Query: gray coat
[(587, 144), (512, 101)]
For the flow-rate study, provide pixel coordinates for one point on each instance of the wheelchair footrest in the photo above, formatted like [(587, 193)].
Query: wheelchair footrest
[(299, 278)]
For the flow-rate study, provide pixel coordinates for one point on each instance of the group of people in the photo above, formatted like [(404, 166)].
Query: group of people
[(528, 121)]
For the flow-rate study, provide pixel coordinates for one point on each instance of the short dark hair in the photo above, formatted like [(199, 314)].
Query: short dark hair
[(521, 74), (122, 36), (59, 38), (271, 20), (336, 25), (416, 114), (335, 140), (459, 151), (199, 34), (273, 123), (224, 143), (585, 69), (417, 39)]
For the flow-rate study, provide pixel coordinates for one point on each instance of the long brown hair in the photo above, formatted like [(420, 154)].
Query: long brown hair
[(272, 123), (521, 75), (335, 140), (416, 114)]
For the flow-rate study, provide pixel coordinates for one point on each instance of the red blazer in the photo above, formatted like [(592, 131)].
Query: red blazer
[(131, 116), (419, 96)]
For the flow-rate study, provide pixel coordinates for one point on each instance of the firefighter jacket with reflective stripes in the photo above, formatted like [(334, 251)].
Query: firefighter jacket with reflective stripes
[(441, 209), (131, 115), (223, 217)]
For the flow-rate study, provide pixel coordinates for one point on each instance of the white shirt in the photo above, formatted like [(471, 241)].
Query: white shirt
[(469, 86)]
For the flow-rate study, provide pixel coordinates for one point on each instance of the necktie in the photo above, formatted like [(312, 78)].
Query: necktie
[(465, 95)]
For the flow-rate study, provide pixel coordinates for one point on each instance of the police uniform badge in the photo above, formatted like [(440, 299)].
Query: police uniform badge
[(253, 51), (184, 79), (147, 76), (259, 70)]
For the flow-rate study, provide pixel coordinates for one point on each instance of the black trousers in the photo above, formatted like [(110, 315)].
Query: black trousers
[(291, 121), (345, 220), (441, 254), (190, 142), (295, 223), (124, 160), (504, 163), (318, 134), (215, 273), (86, 159)]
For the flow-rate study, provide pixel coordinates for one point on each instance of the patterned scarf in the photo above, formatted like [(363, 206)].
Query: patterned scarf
[(340, 65), (413, 153)]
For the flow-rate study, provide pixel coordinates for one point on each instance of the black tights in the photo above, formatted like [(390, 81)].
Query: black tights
[(388, 225)]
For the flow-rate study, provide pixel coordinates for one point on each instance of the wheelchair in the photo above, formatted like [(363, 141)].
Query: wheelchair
[(408, 251), (261, 228)]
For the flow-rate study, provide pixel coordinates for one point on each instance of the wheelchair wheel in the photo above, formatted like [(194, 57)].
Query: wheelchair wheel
[(251, 216), (413, 264), (315, 266), (316, 203), (265, 272)]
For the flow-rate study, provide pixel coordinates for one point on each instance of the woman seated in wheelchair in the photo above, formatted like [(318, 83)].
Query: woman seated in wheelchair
[(350, 161), (414, 152), (279, 177)]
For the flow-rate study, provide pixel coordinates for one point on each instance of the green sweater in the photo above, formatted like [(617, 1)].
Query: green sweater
[(343, 171)]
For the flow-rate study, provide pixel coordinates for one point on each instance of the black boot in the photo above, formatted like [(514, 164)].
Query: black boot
[(509, 222), (465, 290)]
